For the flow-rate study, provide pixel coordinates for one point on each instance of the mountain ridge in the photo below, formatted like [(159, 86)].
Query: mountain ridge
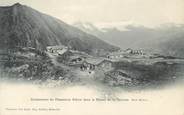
[(23, 26), (155, 40)]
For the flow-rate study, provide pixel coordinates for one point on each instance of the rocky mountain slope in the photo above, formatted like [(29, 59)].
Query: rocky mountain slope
[(23, 26)]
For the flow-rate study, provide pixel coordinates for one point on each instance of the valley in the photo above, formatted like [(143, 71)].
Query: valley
[(117, 69), (39, 48)]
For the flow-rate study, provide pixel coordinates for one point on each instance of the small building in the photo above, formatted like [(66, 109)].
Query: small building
[(84, 63), (76, 59), (92, 63), (118, 77), (131, 51), (60, 49), (87, 66), (106, 65)]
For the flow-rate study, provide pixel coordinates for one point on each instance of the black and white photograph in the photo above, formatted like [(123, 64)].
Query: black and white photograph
[(91, 57)]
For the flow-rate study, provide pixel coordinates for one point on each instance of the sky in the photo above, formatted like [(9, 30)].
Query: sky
[(149, 13)]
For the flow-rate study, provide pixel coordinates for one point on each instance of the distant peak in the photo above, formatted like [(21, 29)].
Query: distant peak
[(12, 6), (17, 4)]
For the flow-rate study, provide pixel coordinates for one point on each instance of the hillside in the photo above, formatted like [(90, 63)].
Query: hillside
[(23, 26)]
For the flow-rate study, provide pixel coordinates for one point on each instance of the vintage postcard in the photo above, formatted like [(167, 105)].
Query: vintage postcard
[(91, 57)]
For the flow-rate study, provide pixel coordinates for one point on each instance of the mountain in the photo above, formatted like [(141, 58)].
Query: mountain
[(168, 39), (22, 26), (129, 38)]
